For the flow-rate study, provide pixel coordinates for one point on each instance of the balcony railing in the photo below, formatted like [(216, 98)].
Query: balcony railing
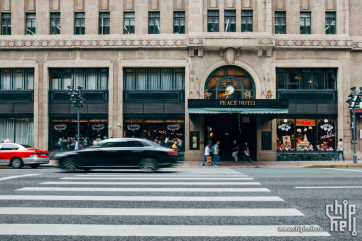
[(13, 96)]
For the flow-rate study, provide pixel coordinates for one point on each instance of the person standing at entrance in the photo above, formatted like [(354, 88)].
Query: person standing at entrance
[(207, 153), (216, 154), (235, 151), (340, 150), (247, 153)]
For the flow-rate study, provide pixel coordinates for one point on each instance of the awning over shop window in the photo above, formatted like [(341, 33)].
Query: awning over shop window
[(246, 111), (246, 107)]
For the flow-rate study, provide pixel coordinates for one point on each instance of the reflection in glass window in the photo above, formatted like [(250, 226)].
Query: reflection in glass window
[(128, 23), (246, 21), (79, 23), (280, 23), (30, 24), (16, 79), (54, 23), (305, 23), (6, 24), (327, 134), (213, 21), (330, 22), (179, 22), (104, 23), (230, 21), (154, 22), (89, 79)]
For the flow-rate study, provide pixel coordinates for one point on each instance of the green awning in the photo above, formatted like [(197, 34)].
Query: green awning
[(245, 111)]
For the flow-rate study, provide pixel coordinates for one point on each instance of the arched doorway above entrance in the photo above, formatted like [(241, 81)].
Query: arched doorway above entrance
[(230, 82)]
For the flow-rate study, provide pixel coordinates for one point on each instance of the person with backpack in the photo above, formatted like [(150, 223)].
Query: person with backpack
[(215, 150), (247, 153), (235, 151)]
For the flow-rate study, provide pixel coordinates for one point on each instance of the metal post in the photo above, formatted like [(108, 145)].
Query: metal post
[(78, 131), (354, 138)]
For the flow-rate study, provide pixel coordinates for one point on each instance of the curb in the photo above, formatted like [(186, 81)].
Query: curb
[(347, 165)]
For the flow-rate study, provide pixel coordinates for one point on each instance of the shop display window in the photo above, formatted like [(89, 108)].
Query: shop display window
[(17, 130), (64, 131), (306, 134)]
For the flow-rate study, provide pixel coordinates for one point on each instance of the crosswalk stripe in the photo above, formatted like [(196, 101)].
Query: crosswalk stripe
[(146, 198), (86, 189), (13, 177), (262, 212), (153, 230), (154, 183), (166, 175), (155, 178)]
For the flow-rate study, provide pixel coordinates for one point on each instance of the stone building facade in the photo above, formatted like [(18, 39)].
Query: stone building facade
[(260, 41)]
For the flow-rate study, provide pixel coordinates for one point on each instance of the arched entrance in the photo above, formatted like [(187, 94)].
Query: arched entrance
[(230, 83)]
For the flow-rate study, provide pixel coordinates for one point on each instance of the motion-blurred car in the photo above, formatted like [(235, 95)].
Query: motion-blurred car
[(18, 155), (119, 153)]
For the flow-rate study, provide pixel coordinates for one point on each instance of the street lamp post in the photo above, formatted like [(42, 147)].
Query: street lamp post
[(77, 100), (354, 102)]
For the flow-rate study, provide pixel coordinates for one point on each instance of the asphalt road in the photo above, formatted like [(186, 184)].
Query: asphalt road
[(175, 204)]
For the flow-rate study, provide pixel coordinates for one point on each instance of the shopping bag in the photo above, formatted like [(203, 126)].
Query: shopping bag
[(208, 159)]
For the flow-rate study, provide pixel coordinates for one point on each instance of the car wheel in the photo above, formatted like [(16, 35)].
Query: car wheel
[(17, 163), (69, 165), (34, 166), (149, 165)]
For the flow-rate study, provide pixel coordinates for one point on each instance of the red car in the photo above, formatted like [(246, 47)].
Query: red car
[(18, 155)]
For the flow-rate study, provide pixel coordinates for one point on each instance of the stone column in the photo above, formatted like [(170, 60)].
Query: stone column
[(221, 16)]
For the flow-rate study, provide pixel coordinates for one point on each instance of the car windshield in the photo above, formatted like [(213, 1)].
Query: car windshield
[(29, 147), (151, 143)]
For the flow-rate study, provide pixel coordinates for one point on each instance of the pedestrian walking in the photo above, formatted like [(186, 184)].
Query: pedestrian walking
[(76, 145), (235, 151), (339, 150), (206, 154), (247, 153), (179, 143), (60, 143), (167, 140), (215, 150)]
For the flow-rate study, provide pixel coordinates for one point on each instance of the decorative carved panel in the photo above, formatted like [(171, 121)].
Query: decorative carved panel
[(55, 6), (104, 4), (179, 4), (230, 56), (229, 4), (129, 4), (305, 4), (7, 5), (213, 3), (247, 4), (153, 4), (330, 4)]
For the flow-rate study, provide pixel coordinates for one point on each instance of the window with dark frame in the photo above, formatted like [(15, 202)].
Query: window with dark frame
[(306, 79), (305, 23), (54, 23), (230, 21), (213, 21), (280, 23), (331, 23), (30, 24), (104, 23), (154, 79), (16, 79), (179, 22), (154, 22), (6, 24), (89, 79), (246, 21), (128, 23), (79, 23)]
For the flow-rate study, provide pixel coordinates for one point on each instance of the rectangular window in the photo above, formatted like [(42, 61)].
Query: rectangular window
[(89, 79), (30, 24), (54, 23), (154, 79), (280, 23), (305, 23), (179, 22), (230, 21), (330, 23), (17, 130), (128, 23), (6, 24), (213, 21), (79, 23), (154, 22), (104, 23), (306, 79), (16, 79), (246, 21)]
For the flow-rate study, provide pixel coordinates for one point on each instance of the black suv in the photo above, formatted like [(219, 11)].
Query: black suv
[(119, 153)]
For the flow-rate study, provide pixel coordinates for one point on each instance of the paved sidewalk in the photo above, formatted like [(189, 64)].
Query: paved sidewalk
[(260, 164)]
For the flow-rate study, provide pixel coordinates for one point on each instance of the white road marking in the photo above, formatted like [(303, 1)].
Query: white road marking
[(91, 189), (146, 198), (254, 212), (153, 230), (166, 175), (155, 183), (329, 187), (338, 169), (13, 177), (153, 178)]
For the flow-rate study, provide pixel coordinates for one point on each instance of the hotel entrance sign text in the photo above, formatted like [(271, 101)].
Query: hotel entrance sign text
[(236, 102)]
